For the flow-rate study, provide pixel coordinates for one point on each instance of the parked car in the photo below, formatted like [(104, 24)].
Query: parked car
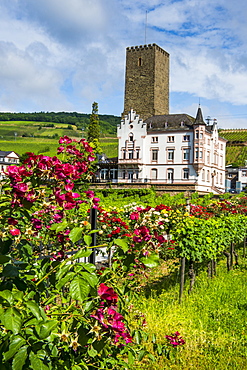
[(233, 191)]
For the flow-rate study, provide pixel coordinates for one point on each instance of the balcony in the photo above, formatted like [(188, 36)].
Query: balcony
[(129, 161)]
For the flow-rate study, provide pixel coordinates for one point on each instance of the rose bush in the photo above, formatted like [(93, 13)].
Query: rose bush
[(56, 310)]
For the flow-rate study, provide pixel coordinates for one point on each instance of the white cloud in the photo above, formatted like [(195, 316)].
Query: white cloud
[(21, 79), (69, 21), (65, 54)]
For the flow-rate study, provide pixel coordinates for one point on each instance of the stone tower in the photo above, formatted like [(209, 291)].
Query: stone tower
[(147, 81)]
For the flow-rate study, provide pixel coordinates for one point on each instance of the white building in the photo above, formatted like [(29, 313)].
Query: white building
[(7, 158), (242, 179), (172, 149)]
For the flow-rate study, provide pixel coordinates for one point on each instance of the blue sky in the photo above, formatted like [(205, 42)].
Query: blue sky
[(61, 55)]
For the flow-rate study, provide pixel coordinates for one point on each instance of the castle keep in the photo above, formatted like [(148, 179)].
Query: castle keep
[(147, 81), (174, 152)]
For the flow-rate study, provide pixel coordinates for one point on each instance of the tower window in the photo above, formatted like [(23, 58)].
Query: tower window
[(139, 62)]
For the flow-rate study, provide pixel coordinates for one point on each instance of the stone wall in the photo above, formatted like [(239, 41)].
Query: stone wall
[(161, 188)]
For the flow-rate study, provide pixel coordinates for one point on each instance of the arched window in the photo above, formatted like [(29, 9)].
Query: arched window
[(203, 175), (221, 179), (170, 175), (131, 137), (186, 173), (154, 173)]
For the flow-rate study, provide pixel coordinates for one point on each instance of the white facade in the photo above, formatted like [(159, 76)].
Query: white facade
[(171, 149), (242, 177), (7, 159)]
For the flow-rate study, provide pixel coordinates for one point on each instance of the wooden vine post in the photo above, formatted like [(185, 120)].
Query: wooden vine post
[(192, 276), (211, 268), (231, 254), (228, 262), (182, 278), (244, 248)]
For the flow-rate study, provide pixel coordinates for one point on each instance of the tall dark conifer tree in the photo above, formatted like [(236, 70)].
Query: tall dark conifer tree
[(94, 126)]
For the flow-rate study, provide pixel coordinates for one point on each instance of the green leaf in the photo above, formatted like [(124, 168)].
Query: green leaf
[(92, 352), (5, 246), (88, 306), (151, 261), (20, 359), (4, 259), (90, 278), (88, 266), (12, 320), (20, 265), (137, 337), (36, 363), (7, 295), (79, 289), (87, 240), (18, 295), (141, 354), (15, 343), (62, 270), (44, 328), (34, 308), (59, 227), (122, 243), (83, 365), (10, 271), (152, 357), (82, 253), (68, 277), (131, 358), (75, 234)]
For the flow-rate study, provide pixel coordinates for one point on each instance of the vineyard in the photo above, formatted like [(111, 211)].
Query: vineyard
[(166, 294), (40, 137), (236, 150), (239, 136)]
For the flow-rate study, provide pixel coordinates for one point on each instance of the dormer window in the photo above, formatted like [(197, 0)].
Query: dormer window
[(182, 124), (170, 139), (186, 138)]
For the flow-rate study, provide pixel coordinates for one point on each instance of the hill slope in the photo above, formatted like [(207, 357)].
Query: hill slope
[(39, 133), (236, 149)]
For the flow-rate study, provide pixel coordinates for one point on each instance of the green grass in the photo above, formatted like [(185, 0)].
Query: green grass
[(31, 136), (34, 145), (28, 128), (212, 320)]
